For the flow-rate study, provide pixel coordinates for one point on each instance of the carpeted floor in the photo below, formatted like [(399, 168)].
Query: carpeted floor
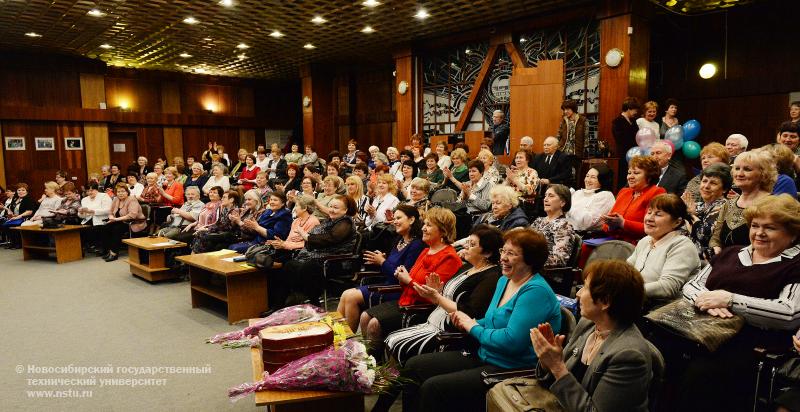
[(93, 314)]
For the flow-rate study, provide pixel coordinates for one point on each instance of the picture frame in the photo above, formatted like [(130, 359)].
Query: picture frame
[(15, 143), (44, 143), (73, 143)]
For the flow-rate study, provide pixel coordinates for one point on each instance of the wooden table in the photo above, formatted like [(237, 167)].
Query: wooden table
[(244, 289), (67, 241), (291, 401), (148, 259)]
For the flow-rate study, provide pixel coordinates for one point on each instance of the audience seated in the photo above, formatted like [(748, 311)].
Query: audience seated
[(330, 188), (665, 257), (418, 195), (302, 276), (304, 221), (384, 201), (404, 251), (408, 171), (493, 172), (758, 282), (552, 165), (711, 153), (125, 217), (431, 172), (592, 202), (625, 220), (444, 161), (555, 227), (292, 179), (150, 194), (247, 175), (715, 182), (219, 234), (217, 178), (754, 175), (197, 177), (262, 188), (607, 365), (438, 232), (506, 213), (735, 144), (783, 157), (475, 193), (48, 204), (459, 172), (95, 209), (522, 300), (294, 157), (672, 177), (170, 193), (257, 226), (20, 209), (180, 218), (524, 179), (67, 212)]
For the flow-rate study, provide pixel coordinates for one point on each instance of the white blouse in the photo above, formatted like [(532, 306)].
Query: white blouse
[(381, 205), (444, 162), (588, 206), (222, 182), (642, 123), (100, 205)]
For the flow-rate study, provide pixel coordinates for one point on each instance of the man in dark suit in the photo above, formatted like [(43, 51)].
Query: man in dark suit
[(673, 177), (553, 165), (500, 133)]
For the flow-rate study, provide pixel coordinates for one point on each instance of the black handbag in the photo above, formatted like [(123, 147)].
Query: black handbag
[(260, 256)]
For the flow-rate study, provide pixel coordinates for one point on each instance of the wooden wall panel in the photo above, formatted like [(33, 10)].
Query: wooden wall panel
[(36, 167), (404, 104), (170, 97), (39, 88), (139, 95), (2, 160), (93, 91), (245, 101), (247, 140), (150, 142), (374, 98), (173, 143), (199, 98), (195, 140), (531, 90), (279, 104), (95, 142)]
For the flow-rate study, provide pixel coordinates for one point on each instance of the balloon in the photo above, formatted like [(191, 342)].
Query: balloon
[(674, 136), (691, 150), (691, 129), (645, 137), (633, 152)]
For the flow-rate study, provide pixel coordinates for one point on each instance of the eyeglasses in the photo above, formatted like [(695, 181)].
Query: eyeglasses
[(509, 253)]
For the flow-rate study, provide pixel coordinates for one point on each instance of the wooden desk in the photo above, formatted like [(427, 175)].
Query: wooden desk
[(67, 241), (244, 289), (148, 261), (291, 401)]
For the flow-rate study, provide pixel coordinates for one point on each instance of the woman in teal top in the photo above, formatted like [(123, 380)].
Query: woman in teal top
[(522, 300)]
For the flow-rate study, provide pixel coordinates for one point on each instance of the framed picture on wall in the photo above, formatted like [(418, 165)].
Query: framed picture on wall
[(73, 143), (15, 143), (45, 143)]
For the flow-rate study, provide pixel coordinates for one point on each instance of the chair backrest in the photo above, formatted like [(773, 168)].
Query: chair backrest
[(444, 195), (657, 381), (575, 256), (146, 211), (568, 323), (613, 249), (359, 238)]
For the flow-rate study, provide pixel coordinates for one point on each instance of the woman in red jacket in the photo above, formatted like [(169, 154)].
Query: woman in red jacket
[(625, 221), (247, 178), (440, 258)]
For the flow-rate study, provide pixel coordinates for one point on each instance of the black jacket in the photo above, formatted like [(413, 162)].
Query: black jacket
[(674, 180), (559, 171), (500, 134)]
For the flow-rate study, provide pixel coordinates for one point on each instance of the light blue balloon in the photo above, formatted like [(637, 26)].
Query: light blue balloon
[(691, 129), (675, 135), (691, 150), (633, 152)]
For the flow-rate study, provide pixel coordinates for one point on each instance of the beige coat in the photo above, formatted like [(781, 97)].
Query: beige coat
[(129, 209)]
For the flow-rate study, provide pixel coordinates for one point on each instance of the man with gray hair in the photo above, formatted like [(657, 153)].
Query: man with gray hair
[(553, 165), (735, 144), (500, 133), (673, 178)]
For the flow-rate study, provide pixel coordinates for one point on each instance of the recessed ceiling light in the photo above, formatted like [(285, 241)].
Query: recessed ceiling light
[(199, 70), (96, 13), (242, 46), (522, 40), (318, 20), (422, 14), (185, 55), (106, 46), (242, 56), (368, 30), (468, 51), (371, 3), (276, 34), (208, 39), (309, 46), (33, 34), (226, 3), (191, 20)]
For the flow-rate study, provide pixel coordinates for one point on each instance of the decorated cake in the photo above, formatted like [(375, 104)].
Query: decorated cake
[(283, 344)]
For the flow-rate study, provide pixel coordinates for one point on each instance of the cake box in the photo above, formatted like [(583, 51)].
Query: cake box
[(283, 344)]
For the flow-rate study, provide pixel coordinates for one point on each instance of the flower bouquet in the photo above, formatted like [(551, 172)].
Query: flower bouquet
[(348, 369), (248, 337)]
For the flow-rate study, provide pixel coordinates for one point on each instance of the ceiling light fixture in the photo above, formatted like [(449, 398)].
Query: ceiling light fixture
[(707, 70), (371, 3), (33, 34), (96, 13), (226, 3), (242, 46), (422, 14), (318, 20), (191, 20), (522, 40), (276, 34), (185, 55), (309, 46), (106, 46), (242, 56), (368, 30)]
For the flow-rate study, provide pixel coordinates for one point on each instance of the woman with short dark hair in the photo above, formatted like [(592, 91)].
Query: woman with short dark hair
[(555, 226), (21, 208), (126, 214), (219, 234), (607, 364), (593, 201), (715, 182)]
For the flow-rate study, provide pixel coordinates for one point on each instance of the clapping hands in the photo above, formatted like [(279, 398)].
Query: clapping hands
[(549, 349)]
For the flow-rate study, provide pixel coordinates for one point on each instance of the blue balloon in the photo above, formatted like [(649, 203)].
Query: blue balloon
[(675, 135), (691, 150), (691, 129), (633, 152)]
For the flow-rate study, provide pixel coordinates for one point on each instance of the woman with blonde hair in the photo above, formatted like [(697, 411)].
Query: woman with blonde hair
[(755, 175), (490, 171), (459, 172), (384, 201), (171, 191), (648, 119), (330, 188), (47, 208), (354, 188), (784, 163)]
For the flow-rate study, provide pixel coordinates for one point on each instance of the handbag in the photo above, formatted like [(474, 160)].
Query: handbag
[(521, 394), (681, 318), (260, 256)]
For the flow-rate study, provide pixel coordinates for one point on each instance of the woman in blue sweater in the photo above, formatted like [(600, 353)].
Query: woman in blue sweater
[(522, 300)]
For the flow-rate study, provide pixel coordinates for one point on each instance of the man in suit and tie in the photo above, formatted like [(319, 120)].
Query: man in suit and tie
[(673, 178), (500, 133), (553, 165)]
